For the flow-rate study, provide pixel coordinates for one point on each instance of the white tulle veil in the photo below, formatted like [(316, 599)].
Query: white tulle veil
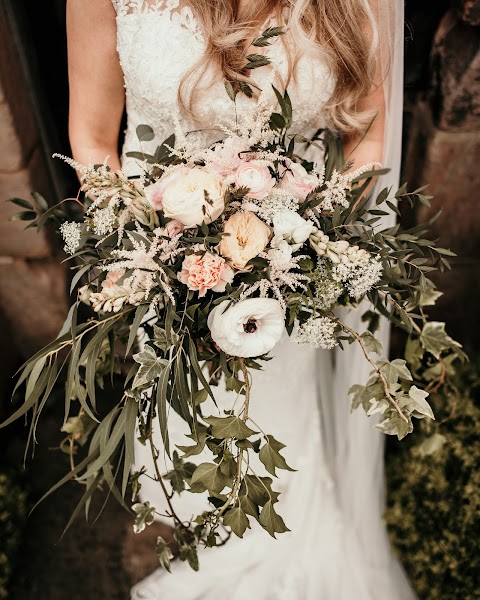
[(355, 450)]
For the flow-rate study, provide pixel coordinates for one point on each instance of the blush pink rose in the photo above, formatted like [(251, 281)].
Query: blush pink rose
[(227, 157), (173, 228), (257, 178), (154, 192), (298, 181), (205, 272)]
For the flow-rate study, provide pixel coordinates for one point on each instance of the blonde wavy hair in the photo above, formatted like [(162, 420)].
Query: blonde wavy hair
[(342, 32)]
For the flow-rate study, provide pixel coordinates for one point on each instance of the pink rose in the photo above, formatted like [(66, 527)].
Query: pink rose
[(297, 181), (154, 192), (112, 278), (173, 228), (205, 272), (226, 157), (257, 178)]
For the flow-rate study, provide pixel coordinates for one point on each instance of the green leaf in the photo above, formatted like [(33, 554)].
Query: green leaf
[(144, 516), (145, 133), (371, 343), (162, 407), (435, 339), (420, 404), (160, 338), (258, 489), (237, 520), (272, 521), (139, 314), (210, 476), (271, 457), (164, 553), (189, 554), (151, 367), (229, 427), (22, 203), (395, 370)]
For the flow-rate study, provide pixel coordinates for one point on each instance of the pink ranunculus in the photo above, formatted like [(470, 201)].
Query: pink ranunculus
[(173, 228), (205, 272), (227, 157), (154, 192), (298, 181), (257, 178)]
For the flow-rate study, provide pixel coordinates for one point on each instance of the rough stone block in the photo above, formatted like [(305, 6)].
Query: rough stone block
[(14, 239), (33, 298), (469, 11), (455, 86)]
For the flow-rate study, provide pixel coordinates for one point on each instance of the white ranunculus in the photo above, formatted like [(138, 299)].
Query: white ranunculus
[(194, 197), (280, 253), (250, 328), (290, 226)]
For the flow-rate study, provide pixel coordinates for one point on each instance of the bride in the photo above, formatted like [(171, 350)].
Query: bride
[(342, 62)]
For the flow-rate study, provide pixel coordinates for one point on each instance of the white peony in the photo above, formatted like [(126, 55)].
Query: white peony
[(290, 226), (249, 328), (192, 198)]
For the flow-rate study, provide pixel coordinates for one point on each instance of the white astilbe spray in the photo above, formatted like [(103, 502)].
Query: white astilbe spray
[(338, 186), (358, 270), (71, 233), (317, 332), (275, 202)]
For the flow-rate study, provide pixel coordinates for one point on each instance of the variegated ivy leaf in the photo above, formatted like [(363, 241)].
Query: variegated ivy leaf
[(271, 457), (363, 395), (419, 402), (395, 425), (371, 343), (151, 367), (161, 340), (164, 553), (394, 370), (144, 516), (237, 520), (135, 483), (435, 339)]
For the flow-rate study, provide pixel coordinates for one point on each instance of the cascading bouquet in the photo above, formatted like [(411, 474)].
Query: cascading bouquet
[(213, 253)]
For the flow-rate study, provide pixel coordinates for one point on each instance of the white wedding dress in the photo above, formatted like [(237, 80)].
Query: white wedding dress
[(337, 548)]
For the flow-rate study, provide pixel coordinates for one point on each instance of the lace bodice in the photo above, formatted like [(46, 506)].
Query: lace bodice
[(159, 40)]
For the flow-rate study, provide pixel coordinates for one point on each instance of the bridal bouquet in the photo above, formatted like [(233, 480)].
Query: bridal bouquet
[(198, 268)]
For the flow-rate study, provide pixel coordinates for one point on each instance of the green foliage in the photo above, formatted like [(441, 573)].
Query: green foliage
[(433, 511), (13, 514)]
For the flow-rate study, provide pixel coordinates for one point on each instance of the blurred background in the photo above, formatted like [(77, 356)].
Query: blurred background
[(433, 512)]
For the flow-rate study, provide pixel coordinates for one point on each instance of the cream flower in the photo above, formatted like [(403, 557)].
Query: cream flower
[(154, 192), (205, 272), (249, 328), (257, 178), (298, 181), (194, 197), (290, 226), (246, 236)]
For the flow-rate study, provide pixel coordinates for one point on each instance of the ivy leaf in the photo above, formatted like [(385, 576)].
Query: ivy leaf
[(395, 425), (258, 489), (248, 506), (229, 427), (189, 554), (271, 457), (237, 520), (371, 343), (151, 367), (362, 395), (161, 340), (181, 471), (144, 516), (196, 449), (164, 553), (135, 483), (420, 404), (211, 476), (395, 370), (272, 521), (435, 339)]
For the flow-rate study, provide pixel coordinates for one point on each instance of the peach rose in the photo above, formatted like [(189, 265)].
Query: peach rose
[(246, 237), (205, 272), (257, 178), (154, 192), (298, 181)]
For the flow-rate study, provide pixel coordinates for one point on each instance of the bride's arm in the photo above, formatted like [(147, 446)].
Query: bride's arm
[(370, 148), (96, 82)]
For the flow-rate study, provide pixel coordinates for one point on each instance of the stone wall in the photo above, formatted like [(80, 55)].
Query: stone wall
[(32, 283)]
